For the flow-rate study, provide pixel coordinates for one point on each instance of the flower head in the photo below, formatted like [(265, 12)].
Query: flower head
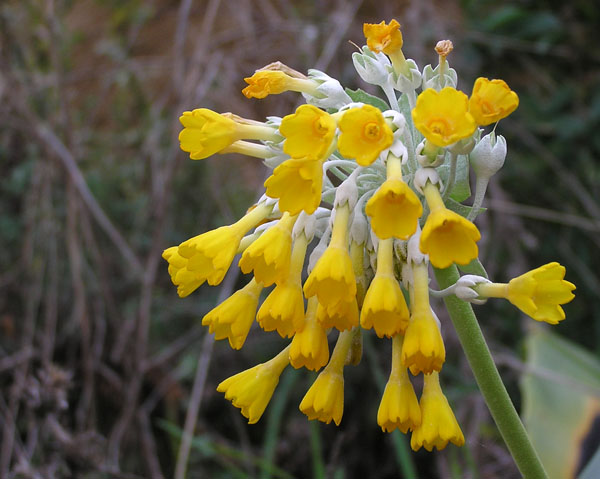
[(443, 117), (251, 390), (399, 407), (423, 350), (186, 281), (308, 132), (447, 237), (438, 424), (266, 82), (325, 398), (233, 318), (269, 256), (364, 134), (297, 184), (491, 101), (309, 347), (394, 210), (342, 316), (283, 310), (205, 132), (382, 37), (539, 292)]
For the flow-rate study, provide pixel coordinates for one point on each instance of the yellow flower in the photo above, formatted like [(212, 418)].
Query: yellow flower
[(332, 279), (443, 117), (384, 307), (297, 183), (364, 134), (273, 82), (538, 293), (251, 390), (447, 237), (423, 350), (206, 132), (342, 316), (309, 347), (308, 132), (325, 398), (209, 255), (383, 38), (438, 424), (269, 256), (394, 210), (233, 318), (399, 407), (283, 310), (491, 101)]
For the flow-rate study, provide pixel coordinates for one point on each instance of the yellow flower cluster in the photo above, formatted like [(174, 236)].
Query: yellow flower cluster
[(351, 177)]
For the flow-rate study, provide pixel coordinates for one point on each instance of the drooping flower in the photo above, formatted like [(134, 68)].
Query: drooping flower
[(309, 346), (394, 209), (364, 134), (384, 308), (538, 293), (297, 184), (447, 237), (332, 279), (342, 316), (491, 101), (283, 310), (423, 349), (233, 318), (251, 390), (308, 132), (325, 398), (206, 132), (443, 117), (272, 82), (382, 37), (207, 257), (438, 424), (399, 407), (269, 256)]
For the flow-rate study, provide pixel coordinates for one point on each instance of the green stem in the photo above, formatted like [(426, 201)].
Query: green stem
[(489, 381)]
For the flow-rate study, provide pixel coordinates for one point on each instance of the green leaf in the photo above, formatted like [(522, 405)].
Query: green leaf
[(561, 400), (364, 97)]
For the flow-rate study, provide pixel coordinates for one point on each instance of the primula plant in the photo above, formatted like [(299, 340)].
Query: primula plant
[(365, 200)]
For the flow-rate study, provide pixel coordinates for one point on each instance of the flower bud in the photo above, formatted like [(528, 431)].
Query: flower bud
[(333, 93), (372, 67), (410, 82), (488, 155)]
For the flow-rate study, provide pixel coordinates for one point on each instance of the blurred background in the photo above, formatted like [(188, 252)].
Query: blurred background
[(102, 365)]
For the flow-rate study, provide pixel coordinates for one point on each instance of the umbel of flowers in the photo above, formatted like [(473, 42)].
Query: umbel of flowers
[(365, 195)]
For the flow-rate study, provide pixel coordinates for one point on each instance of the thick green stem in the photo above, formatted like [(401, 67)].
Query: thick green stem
[(489, 381)]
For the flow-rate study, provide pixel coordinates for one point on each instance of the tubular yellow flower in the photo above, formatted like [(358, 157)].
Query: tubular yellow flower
[(325, 398), (206, 132), (384, 307), (233, 318), (274, 82), (209, 255), (443, 118), (399, 407), (269, 256), (251, 390), (309, 347), (438, 424), (538, 293), (394, 209), (382, 37), (423, 350), (491, 101), (447, 237), (364, 134), (332, 279), (308, 132), (297, 183), (342, 316), (283, 310)]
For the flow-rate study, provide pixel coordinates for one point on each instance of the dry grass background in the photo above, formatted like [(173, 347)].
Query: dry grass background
[(101, 365)]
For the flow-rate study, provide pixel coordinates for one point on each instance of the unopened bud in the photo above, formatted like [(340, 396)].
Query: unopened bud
[(488, 156)]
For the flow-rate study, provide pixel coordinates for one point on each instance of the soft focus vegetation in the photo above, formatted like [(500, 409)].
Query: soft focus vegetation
[(100, 361)]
